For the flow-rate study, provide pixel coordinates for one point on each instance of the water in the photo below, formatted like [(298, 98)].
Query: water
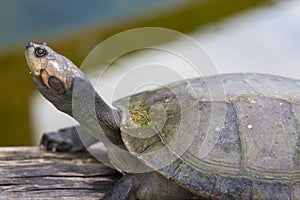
[(35, 20), (262, 40)]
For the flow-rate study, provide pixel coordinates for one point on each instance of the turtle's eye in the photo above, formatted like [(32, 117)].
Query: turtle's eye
[(40, 52)]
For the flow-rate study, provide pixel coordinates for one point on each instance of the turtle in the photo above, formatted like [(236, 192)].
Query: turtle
[(223, 136)]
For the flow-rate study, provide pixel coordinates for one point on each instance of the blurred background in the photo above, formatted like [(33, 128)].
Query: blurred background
[(239, 36)]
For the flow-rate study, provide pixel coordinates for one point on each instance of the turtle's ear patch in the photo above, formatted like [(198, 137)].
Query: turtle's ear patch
[(56, 85)]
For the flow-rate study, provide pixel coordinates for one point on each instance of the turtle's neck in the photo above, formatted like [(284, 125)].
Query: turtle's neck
[(109, 119), (88, 107)]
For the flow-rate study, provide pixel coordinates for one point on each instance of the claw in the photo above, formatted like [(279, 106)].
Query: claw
[(61, 141)]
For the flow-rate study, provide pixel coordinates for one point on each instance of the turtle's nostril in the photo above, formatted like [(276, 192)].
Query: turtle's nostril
[(30, 44)]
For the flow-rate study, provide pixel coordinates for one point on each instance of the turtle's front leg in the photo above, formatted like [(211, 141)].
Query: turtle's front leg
[(66, 140), (125, 188), (146, 186)]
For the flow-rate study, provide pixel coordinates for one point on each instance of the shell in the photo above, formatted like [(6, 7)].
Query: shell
[(230, 136)]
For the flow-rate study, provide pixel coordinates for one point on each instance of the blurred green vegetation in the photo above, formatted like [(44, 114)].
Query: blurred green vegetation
[(16, 84)]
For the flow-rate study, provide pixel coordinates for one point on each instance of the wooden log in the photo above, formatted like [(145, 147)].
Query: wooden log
[(32, 173)]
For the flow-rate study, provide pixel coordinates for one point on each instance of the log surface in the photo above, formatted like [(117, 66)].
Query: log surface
[(32, 173)]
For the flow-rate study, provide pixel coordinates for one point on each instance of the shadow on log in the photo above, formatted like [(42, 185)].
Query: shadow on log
[(32, 173)]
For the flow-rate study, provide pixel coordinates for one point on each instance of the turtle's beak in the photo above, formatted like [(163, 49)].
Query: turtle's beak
[(30, 44), (34, 63)]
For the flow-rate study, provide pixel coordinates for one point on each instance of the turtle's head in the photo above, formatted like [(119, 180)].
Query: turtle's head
[(55, 71), (63, 84), (53, 74)]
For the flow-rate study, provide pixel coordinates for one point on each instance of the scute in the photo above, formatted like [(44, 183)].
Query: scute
[(213, 134), (270, 138), (274, 86)]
